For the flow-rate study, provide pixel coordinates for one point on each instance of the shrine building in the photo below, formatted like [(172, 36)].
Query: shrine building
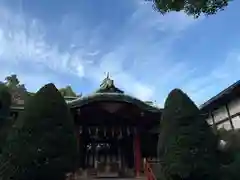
[(116, 131)]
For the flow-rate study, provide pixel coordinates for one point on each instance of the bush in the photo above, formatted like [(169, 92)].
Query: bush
[(187, 146), (231, 153), (5, 121), (5, 101), (43, 144)]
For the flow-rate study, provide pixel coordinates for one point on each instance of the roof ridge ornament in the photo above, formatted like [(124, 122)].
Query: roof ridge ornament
[(107, 82), (107, 86), (108, 76)]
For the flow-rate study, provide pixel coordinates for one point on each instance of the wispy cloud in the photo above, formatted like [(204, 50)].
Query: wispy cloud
[(25, 46), (139, 52), (22, 41), (207, 85)]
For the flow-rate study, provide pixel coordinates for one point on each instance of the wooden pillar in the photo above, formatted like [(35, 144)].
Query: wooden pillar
[(214, 123), (84, 148), (93, 154), (137, 154), (229, 116), (78, 144), (119, 156), (86, 157)]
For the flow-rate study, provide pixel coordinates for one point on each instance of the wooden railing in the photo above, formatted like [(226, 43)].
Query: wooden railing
[(148, 170)]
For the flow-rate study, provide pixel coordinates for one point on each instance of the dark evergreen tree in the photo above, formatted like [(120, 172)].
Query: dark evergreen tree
[(67, 91), (43, 143), (230, 159), (5, 121), (5, 101), (187, 146), (231, 171)]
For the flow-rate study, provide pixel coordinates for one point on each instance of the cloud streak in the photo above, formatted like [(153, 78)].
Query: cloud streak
[(24, 43), (139, 52), (224, 74)]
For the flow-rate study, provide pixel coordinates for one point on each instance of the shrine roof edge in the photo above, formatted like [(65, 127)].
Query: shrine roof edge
[(113, 97)]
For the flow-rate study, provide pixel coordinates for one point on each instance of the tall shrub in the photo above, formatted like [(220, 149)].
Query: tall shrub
[(43, 144), (187, 146)]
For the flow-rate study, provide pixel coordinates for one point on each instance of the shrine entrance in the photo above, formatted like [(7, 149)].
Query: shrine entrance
[(113, 129), (109, 161), (106, 158), (108, 151)]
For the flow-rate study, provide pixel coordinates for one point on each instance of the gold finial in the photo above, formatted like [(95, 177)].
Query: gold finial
[(107, 85), (107, 81), (108, 76)]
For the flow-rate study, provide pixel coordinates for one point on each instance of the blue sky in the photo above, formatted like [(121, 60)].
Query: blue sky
[(76, 42)]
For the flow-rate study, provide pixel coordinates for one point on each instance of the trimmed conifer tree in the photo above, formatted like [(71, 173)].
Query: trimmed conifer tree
[(43, 143), (5, 101), (5, 121), (187, 146)]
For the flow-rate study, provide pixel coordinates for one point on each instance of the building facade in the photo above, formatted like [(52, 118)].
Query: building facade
[(223, 110), (116, 131)]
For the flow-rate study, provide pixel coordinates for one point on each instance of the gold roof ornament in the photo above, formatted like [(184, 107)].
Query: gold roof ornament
[(107, 82), (107, 86)]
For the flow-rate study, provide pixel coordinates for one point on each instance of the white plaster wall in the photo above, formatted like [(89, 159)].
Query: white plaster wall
[(220, 114), (226, 125), (236, 122), (234, 106)]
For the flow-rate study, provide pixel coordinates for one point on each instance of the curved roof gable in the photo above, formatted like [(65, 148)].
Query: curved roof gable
[(108, 92), (114, 97)]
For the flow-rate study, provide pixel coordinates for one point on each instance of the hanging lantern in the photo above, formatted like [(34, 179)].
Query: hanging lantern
[(120, 133), (112, 131), (80, 130), (89, 131), (105, 132), (128, 131), (78, 111), (97, 131)]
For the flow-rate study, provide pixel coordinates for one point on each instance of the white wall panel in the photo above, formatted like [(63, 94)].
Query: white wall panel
[(220, 114), (236, 122), (226, 125), (234, 106)]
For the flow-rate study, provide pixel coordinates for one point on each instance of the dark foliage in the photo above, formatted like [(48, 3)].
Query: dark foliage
[(187, 146), (190, 7), (67, 91), (5, 101), (42, 144), (5, 121), (230, 159)]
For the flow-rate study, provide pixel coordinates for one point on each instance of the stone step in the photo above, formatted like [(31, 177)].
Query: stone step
[(113, 178)]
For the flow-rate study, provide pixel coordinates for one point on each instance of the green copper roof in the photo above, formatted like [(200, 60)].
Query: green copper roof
[(113, 97), (108, 92)]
